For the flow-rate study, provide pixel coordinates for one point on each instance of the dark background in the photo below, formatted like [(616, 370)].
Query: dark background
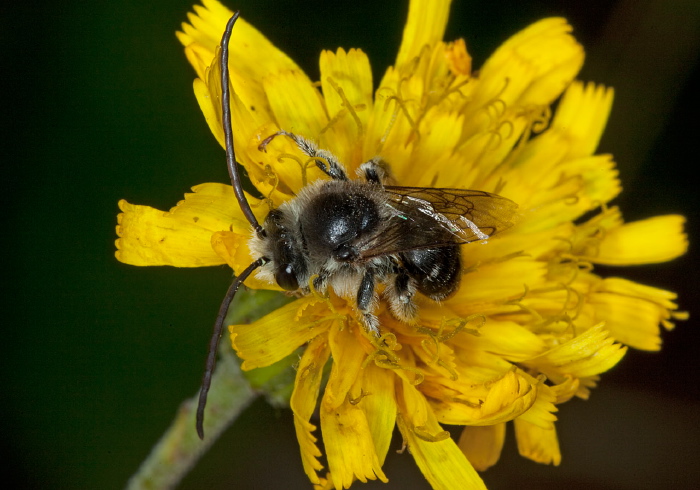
[(98, 106)]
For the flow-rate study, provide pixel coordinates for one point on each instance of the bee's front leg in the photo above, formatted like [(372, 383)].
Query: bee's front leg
[(367, 301), (326, 161)]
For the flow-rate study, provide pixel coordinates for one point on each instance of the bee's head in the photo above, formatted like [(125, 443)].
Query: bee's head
[(281, 246)]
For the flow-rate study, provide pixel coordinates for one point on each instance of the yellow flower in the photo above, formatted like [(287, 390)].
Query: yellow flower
[(531, 325)]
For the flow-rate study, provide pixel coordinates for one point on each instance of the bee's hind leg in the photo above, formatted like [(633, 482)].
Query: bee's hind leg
[(399, 293), (327, 162)]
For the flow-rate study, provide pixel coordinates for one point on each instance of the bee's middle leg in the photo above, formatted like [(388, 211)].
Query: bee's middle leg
[(327, 162)]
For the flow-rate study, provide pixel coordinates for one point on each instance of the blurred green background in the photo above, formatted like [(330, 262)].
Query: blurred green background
[(98, 106)]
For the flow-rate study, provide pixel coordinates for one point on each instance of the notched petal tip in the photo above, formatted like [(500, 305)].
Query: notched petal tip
[(650, 241)]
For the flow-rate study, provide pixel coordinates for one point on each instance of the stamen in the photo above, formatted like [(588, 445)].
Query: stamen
[(341, 113), (304, 166), (436, 338), (461, 326), (384, 347), (500, 185), (494, 135), (355, 401), (289, 156), (392, 121), (384, 357), (422, 433), (565, 305), (347, 105), (317, 294), (270, 174), (469, 404), (496, 108), (510, 125), (402, 106), (453, 374), (497, 169), (540, 123), (531, 311), (455, 90), (536, 123)]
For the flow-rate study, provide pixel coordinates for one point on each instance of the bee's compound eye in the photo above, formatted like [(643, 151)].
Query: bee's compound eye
[(286, 278)]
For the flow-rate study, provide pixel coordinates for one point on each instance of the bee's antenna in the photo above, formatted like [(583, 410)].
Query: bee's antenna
[(228, 131), (214, 341), (245, 207)]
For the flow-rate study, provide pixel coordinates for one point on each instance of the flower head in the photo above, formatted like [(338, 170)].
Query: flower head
[(531, 324)]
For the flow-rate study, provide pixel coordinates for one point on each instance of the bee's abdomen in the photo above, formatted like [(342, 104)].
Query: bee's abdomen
[(435, 270)]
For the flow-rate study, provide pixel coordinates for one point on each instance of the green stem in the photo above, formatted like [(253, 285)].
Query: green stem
[(180, 448), (231, 393)]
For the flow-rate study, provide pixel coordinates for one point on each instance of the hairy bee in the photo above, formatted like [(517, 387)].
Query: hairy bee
[(351, 235)]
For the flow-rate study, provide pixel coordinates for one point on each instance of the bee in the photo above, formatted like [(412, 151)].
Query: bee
[(354, 234)]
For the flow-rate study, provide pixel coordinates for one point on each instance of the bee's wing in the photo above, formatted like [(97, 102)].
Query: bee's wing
[(424, 217)]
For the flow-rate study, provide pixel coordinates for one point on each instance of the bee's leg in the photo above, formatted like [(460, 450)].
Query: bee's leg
[(375, 171), (329, 165), (366, 301), (400, 294), (321, 281)]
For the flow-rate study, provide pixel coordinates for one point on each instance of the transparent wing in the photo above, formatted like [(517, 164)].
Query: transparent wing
[(423, 217)]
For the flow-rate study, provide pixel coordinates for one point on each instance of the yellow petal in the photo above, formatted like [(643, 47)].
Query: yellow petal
[(436, 454), (566, 390), (510, 340), (648, 241), (582, 116), (207, 25), (278, 334), (412, 404), (556, 190), (252, 55), (535, 431), (348, 356), (182, 236), (541, 413), (599, 178), (590, 353), (233, 248), (633, 312), (252, 58), (250, 127), (303, 403), (296, 104), (348, 441), (495, 281), (538, 444), (440, 131), (483, 445), (346, 79), (533, 67), (465, 402), (379, 406), (152, 237), (425, 26)]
